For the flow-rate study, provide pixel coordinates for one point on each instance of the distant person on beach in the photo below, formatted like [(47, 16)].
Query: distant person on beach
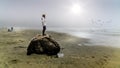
[(11, 29), (43, 24)]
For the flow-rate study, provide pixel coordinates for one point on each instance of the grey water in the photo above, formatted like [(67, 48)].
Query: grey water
[(97, 36)]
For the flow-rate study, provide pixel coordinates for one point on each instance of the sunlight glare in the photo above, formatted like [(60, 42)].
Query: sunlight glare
[(76, 9)]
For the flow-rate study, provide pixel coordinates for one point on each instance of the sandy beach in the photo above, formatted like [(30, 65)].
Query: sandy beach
[(13, 48)]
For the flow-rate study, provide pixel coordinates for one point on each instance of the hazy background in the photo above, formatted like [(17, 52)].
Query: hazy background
[(97, 20), (93, 13)]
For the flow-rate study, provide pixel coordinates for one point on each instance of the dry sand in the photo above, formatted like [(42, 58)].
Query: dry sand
[(13, 47)]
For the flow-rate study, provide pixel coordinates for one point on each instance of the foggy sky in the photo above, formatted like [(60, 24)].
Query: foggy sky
[(27, 13)]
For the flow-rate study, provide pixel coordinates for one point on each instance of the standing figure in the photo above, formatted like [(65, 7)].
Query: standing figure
[(43, 24), (11, 29)]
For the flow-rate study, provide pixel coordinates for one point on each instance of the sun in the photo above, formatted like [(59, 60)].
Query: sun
[(76, 9)]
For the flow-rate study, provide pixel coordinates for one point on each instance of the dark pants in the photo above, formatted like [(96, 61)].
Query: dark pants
[(43, 31)]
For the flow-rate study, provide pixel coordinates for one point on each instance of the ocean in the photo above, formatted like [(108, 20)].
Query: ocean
[(97, 36)]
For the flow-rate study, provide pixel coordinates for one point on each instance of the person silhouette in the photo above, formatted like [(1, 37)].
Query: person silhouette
[(11, 29), (43, 24)]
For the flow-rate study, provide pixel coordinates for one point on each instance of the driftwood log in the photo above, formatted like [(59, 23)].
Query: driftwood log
[(43, 45)]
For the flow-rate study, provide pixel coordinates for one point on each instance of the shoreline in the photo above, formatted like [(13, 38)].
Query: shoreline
[(93, 42)]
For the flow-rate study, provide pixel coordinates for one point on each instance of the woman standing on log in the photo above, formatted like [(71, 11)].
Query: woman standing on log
[(43, 24)]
